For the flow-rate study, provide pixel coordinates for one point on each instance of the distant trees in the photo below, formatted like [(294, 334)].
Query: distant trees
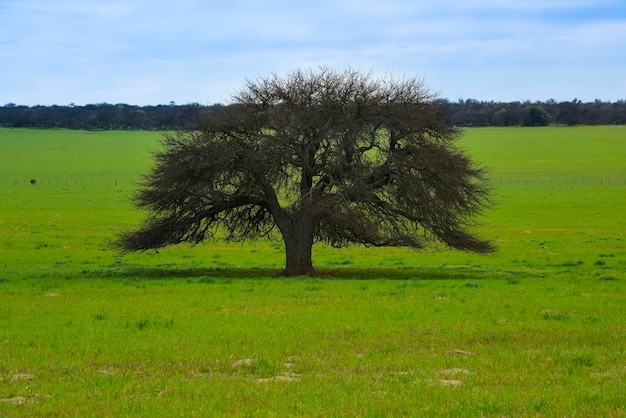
[(463, 113), (536, 116), (317, 156), (102, 116), (467, 113), (570, 112)]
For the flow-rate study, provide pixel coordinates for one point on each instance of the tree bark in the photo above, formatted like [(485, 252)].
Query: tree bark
[(298, 241)]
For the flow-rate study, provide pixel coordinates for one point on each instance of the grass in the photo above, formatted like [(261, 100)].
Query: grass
[(66, 157), (551, 154), (533, 330), (261, 346)]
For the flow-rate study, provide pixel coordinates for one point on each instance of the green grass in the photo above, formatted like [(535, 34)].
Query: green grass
[(67, 157), (534, 330), (207, 345), (577, 155)]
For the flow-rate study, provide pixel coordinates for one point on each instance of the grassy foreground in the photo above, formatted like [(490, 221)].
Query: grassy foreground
[(535, 330)]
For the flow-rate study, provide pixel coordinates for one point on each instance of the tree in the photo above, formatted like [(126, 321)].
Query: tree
[(336, 157), (536, 116), (569, 112)]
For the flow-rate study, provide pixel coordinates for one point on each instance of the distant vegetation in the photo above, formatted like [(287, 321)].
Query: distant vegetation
[(103, 116), (463, 113), (476, 113)]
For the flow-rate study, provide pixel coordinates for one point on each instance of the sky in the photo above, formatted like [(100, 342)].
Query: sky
[(150, 52)]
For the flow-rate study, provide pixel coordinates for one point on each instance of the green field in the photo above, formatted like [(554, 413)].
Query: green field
[(536, 329)]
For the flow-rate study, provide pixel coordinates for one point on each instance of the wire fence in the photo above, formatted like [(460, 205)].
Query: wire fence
[(70, 182), (557, 182), (134, 182)]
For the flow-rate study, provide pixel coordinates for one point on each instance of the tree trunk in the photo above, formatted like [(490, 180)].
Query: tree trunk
[(298, 241)]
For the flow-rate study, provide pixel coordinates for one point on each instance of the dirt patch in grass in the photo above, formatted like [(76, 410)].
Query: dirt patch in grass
[(454, 383), (244, 362), (16, 400), (21, 400), (461, 353), (22, 376), (285, 377), (453, 371)]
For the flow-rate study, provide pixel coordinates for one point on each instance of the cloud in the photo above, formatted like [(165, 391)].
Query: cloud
[(154, 51)]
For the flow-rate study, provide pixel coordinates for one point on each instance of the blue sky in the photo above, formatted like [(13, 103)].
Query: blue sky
[(155, 51)]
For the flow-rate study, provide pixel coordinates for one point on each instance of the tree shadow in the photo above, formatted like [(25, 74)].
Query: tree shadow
[(169, 272), (441, 272)]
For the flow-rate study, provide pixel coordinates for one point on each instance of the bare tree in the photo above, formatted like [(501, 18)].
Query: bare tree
[(336, 157)]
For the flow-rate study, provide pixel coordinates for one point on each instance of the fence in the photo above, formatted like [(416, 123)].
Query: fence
[(70, 182), (558, 181), (133, 182)]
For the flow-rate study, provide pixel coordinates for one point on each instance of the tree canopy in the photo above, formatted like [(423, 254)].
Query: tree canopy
[(319, 156), (537, 116)]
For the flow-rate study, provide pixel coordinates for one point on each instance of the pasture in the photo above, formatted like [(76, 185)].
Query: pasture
[(536, 329)]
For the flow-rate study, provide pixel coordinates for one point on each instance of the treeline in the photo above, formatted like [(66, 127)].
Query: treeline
[(103, 116), (464, 113), (480, 113)]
